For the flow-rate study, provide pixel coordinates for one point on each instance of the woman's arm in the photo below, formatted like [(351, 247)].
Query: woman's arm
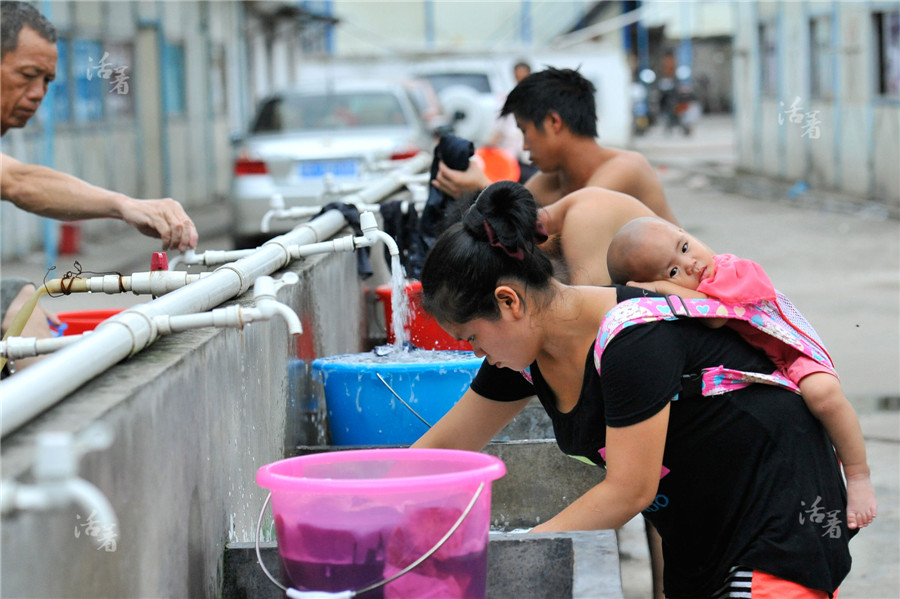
[(471, 423), (633, 464)]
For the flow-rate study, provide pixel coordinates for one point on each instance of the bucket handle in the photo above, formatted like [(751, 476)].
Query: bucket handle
[(295, 594), (408, 407)]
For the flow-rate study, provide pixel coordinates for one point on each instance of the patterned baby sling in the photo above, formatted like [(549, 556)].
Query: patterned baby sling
[(778, 318)]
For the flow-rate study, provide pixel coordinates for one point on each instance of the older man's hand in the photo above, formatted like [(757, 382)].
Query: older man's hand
[(164, 219)]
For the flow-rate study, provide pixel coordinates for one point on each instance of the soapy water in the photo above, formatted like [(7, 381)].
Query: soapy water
[(389, 354), (463, 577)]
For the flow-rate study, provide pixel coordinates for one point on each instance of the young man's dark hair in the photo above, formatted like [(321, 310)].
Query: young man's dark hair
[(564, 91), (14, 16)]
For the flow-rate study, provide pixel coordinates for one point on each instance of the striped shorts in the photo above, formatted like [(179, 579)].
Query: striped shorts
[(753, 584)]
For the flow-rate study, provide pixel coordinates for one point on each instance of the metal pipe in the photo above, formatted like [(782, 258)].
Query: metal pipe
[(44, 384)]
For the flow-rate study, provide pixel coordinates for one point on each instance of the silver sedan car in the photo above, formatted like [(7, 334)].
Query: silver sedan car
[(301, 136)]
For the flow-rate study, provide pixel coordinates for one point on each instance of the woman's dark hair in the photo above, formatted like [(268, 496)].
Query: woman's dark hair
[(496, 240), (564, 91)]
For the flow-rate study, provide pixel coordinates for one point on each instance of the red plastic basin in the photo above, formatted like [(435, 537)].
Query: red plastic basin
[(85, 320), (424, 331)]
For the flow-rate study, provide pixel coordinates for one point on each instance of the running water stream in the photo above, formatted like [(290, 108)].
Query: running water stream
[(399, 304)]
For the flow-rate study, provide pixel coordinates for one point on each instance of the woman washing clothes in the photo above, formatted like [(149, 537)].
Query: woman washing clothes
[(743, 487)]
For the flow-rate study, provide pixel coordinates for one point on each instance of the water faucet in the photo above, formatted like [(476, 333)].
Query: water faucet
[(209, 257), (372, 233), (57, 484), (234, 316), (276, 210), (267, 305)]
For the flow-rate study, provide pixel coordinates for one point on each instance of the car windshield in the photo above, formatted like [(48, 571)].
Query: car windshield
[(477, 81), (328, 112)]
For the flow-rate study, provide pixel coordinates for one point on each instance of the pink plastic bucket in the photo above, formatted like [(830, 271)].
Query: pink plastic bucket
[(346, 520)]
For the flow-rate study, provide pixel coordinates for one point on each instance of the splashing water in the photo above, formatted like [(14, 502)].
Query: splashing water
[(408, 356), (399, 304)]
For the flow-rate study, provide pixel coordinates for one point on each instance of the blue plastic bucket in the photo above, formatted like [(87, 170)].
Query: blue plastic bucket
[(363, 411)]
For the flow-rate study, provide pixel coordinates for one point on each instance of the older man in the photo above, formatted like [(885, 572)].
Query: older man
[(27, 66), (28, 59)]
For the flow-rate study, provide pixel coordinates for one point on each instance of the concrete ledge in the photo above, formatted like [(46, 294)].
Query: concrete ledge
[(575, 565), (194, 415)]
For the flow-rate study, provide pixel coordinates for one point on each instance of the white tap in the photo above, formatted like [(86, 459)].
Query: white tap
[(57, 484), (267, 306), (371, 234)]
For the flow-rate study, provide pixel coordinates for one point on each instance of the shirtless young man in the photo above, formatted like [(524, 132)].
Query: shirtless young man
[(556, 113)]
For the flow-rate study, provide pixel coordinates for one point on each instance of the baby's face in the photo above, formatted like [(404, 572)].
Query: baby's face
[(671, 254)]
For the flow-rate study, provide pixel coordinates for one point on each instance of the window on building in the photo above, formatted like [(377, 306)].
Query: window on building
[(90, 72), (119, 92), (218, 80), (887, 34), (821, 58), (173, 79), (768, 59), (61, 86)]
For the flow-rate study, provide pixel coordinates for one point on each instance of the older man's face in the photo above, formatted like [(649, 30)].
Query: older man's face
[(24, 76)]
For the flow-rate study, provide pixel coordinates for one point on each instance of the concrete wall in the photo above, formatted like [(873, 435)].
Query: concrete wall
[(194, 416), (858, 146)]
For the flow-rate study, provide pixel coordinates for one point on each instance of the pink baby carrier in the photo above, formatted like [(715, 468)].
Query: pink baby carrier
[(780, 319)]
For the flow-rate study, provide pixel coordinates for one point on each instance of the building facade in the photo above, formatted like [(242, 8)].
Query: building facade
[(817, 95)]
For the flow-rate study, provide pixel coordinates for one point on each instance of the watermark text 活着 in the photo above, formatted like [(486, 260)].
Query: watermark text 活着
[(118, 79), (821, 516), (105, 535), (809, 121)]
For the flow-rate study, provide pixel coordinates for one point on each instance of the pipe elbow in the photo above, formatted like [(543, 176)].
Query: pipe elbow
[(269, 307), (266, 219), (392, 247)]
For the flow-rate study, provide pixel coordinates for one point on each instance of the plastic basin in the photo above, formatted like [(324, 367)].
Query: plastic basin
[(85, 320), (363, 411), (345, 520)]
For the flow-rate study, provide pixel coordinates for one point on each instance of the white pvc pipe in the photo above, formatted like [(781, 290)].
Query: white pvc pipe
[(363, 198), (44, 384), (16, 348)]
